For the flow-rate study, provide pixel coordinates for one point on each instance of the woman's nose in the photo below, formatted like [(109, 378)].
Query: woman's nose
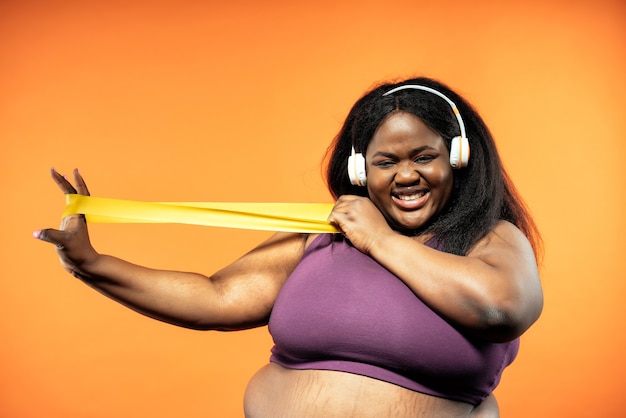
[(407, 173)]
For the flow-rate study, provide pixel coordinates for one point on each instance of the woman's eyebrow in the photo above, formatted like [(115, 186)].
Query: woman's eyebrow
[(413, 151)]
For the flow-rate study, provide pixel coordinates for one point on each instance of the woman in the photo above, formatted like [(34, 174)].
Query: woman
[(414, 310)]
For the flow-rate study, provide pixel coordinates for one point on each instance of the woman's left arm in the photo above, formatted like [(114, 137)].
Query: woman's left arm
[(493, 292)]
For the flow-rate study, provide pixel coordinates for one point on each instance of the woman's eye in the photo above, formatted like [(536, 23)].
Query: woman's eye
[(424, 158), (386, 163)]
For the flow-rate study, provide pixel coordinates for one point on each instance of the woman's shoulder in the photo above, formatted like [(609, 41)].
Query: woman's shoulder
[(313, 241), (504, 236)]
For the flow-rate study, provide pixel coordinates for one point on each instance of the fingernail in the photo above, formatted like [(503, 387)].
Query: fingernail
[(37, 234)]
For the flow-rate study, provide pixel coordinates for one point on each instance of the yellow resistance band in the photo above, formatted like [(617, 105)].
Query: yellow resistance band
[(289, 217)]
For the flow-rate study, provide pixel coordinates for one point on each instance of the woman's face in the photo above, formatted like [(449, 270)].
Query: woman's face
[(409, 177)]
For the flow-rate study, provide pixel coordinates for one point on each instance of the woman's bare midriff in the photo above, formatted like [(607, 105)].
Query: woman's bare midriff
[(277, 392)]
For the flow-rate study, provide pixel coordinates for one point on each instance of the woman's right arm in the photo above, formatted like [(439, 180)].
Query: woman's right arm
[(239, 296)]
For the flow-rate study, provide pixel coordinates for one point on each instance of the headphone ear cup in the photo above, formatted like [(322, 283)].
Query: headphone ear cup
[(459, 152), (356, 170)]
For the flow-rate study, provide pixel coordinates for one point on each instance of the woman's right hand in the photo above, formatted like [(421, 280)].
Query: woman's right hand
[(239, 296), (72, 239)]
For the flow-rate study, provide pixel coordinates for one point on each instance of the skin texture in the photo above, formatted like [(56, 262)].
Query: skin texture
[(327, 394), (493, 293)]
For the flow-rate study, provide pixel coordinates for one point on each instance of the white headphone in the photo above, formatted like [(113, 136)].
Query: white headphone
[(459, 147)]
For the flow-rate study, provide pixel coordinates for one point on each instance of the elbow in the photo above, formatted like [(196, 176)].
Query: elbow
[(499, 325), (504, 323)]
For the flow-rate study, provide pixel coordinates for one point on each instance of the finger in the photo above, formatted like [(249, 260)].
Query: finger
[(343, 206), (336, 224), (81, 186), (336, 217), (65, 186), (70, 221), (52, 236), (348, 198)]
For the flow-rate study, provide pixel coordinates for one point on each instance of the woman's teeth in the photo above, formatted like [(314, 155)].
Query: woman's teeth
[(411, 196)]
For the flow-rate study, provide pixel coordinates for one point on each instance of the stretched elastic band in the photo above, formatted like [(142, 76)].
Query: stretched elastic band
[(288, 217)]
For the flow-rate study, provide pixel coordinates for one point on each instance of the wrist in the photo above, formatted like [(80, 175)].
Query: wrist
[(380, 242), (84, 267)]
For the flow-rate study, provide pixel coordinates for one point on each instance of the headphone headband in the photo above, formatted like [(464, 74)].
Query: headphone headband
[(457, 114), (459, 146)]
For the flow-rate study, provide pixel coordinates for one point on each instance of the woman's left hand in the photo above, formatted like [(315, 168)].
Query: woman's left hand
[(359, 220)]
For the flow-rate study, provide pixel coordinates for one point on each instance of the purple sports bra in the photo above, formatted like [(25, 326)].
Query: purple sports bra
[(341, 310)]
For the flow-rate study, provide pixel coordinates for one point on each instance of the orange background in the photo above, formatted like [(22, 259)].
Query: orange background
[(237, 101)]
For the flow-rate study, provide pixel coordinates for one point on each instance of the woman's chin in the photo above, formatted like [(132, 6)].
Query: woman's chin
[(408, 226), (409, 229)]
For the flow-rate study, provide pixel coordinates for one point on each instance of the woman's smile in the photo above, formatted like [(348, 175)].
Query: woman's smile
[(409, 177), (410, 199)]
